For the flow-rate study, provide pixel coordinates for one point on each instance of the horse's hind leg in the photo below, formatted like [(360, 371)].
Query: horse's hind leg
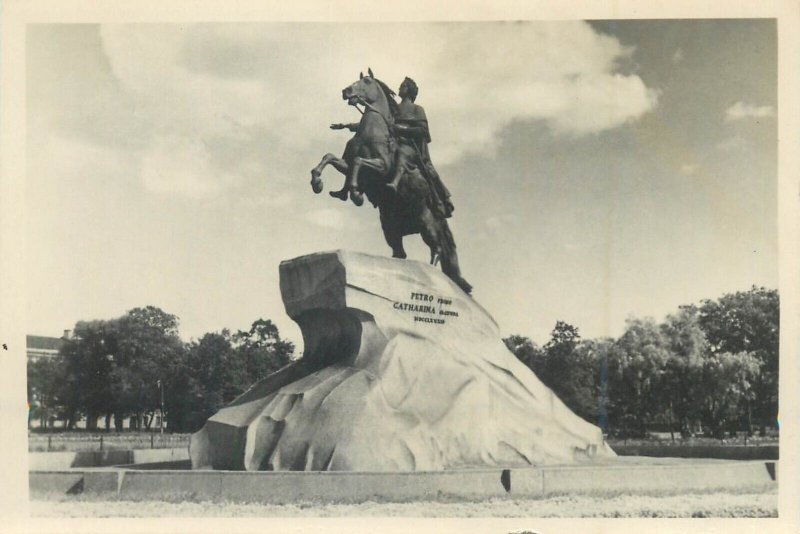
[(431, 235), (394, 238), (450, 257), (396, 242), (328, 159)]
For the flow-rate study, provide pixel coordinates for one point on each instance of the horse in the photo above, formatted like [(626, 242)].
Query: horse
[(367, 164)]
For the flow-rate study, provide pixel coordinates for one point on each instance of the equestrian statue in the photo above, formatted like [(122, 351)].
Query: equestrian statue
[(388, 161)]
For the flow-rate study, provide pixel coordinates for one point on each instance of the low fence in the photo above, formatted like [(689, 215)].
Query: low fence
[(722, 452), (48, 461), (105, 442)]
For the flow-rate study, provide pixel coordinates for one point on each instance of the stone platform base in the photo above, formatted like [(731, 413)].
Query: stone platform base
[(660, 476)]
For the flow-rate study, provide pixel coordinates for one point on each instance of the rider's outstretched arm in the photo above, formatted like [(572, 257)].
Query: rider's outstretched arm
[(353, 126)]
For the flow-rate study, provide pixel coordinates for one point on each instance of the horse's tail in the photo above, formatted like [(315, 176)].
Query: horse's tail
[(449, 258)]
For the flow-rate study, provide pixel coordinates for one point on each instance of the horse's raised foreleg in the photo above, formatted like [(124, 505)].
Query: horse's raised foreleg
[(328, 159), (378, 165)]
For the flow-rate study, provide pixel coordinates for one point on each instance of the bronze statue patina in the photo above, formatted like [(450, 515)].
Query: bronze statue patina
[(387, 160), (413, 136)]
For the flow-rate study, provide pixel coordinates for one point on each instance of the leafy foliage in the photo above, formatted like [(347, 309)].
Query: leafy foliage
[(727, 380), (123, 367), (46, 389), (262, 350), (563, 359), (713, 365), (527, 352), (748, 321)]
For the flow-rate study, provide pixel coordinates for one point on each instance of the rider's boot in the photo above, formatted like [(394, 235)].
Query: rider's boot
[(392, 186), (341, 195)]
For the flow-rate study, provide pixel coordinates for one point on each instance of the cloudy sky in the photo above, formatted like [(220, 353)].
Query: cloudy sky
[(599, 170)]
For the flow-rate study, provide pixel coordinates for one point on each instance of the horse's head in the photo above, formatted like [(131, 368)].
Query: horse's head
[(370, 90), (365, 89)]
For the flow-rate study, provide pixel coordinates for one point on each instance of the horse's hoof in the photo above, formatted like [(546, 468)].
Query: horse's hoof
[(341, 195), (357, 198), (316, 183), (464, 285)]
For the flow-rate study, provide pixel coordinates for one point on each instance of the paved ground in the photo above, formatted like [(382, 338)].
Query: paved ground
[(721, 504)]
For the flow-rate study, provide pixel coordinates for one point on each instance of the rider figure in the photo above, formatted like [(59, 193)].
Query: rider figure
[(411, 129)]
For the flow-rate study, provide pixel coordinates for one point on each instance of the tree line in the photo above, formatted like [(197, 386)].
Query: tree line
[(122, 368), (711, 367)]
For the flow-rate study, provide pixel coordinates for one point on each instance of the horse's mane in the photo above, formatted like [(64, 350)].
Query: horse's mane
[(389, 94)]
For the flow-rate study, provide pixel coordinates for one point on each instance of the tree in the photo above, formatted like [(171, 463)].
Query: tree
[(262, 350), (749, 321), (113, 367), (591, 360), (182, 394), (727, 380), (221, 366), (568, 366), (527, 352), (45, 388), (154, 319), (148, 347), (215, 373), (569, 371), (688, 349), (635, 367), (89, 370)]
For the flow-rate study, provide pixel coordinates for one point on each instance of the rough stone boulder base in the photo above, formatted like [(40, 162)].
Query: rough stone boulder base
[(402, 371)]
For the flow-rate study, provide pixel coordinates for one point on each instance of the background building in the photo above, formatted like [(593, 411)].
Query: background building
[(44, 346)]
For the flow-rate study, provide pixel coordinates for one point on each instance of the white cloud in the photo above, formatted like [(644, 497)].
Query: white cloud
[(498, 222), (740, 110), (327, 218), (688, 169), (733, 143), (677, 56), (251, 100), (180, 166)]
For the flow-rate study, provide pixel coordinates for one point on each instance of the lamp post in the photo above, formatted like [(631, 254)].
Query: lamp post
[(161, 388)]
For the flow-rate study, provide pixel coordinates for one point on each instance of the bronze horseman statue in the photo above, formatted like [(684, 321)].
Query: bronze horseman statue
[(388, 161)]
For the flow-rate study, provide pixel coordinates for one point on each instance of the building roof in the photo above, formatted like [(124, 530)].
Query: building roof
[(43, 342)]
